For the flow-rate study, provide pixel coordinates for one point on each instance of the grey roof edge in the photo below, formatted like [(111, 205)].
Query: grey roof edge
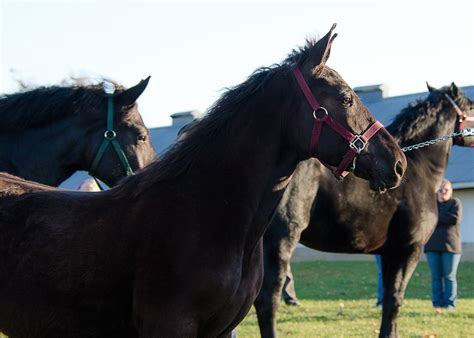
[(194, 113), (463, 185), (371, 88), (409, 95)]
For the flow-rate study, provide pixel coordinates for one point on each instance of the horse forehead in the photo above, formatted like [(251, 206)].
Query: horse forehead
[(333, 79), (132, 117), (468, 103)]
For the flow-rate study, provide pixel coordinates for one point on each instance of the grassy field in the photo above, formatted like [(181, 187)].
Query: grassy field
[(337, 300)]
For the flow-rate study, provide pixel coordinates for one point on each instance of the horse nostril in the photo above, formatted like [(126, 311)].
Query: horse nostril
[(399, 168)]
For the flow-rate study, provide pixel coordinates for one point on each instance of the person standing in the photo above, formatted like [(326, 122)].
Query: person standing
[(443, 249)]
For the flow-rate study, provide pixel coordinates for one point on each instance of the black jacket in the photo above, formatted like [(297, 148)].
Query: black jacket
[(447, 234)]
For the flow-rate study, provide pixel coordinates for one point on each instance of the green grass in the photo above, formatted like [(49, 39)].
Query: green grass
[(337, 300)]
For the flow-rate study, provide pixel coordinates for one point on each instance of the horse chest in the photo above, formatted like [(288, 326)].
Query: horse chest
[(239, 301)]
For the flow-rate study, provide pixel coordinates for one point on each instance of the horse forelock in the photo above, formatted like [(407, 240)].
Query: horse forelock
[(300, 55)]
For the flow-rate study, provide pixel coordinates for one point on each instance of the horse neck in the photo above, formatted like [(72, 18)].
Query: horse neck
[(251, 168), (47, 155), (431, 162), (434, 158), (237, 177)]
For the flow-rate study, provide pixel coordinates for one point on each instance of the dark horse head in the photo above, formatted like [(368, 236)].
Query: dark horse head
[(453, 99), (131, 134), (48, 133), (379, 159)]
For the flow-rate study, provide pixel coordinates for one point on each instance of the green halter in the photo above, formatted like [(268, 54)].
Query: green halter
[(110, 137)]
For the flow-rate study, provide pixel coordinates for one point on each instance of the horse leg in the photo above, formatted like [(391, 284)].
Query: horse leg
[(397, 272), (267, 302), (280, 240), (289, 293), (278, 247)]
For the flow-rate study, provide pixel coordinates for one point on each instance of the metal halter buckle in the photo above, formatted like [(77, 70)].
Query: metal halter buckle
[(358, 144), (468, 132)]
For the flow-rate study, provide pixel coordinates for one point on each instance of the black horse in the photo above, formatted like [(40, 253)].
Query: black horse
[(48, 133), (95, 264), (349, 217)]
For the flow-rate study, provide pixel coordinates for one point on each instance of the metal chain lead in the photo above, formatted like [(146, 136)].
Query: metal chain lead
[(464, 132), (434, 141)]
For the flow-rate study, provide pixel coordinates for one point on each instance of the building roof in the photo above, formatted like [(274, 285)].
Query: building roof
[(461, 162), (163, 137)]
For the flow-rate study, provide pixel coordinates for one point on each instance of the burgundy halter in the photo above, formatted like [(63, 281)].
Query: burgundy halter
[(462, 117), (357, 142)]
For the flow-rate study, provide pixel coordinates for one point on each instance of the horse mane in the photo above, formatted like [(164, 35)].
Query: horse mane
[(299, 55), (37, 107), (414, 120), (218, 119)]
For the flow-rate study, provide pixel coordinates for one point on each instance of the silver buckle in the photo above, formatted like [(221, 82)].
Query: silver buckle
[(358, 144), (468, 132)]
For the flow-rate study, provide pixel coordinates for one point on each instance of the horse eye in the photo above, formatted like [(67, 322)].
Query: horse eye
[(347, 101), (142, 138)]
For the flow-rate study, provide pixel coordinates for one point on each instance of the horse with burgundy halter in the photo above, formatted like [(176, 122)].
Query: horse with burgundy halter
[(96, 264), (48, 133), (349, 217)]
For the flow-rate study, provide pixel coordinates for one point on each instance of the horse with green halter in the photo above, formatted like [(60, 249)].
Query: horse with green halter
[(110, 137)]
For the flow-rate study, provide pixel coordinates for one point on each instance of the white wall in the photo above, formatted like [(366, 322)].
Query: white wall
[(467, 225)]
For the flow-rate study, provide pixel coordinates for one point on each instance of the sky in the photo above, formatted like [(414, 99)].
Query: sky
[(193, 50)]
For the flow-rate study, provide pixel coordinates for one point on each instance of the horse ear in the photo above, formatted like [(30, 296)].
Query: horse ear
[(320, 52), (130, 95), (454, 89), (430, 89)]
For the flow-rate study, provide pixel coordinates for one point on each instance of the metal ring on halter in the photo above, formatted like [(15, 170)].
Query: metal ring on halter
[(110, 134), (325, 113), (358, 144)]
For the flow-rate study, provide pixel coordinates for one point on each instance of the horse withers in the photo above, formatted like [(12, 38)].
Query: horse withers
[(348, 217), (48, 133), (158, 255)]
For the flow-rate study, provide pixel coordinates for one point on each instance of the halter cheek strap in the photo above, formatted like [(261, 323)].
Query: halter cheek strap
[(110, 136), (357, 142)]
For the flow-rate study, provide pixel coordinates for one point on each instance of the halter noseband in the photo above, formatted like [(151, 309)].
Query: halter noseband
[(357, 142), (462, 117), (110, 136)]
